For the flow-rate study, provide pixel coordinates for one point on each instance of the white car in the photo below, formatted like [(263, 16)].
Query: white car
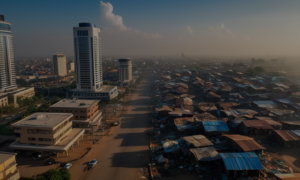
[(92, 163), (68, 165)]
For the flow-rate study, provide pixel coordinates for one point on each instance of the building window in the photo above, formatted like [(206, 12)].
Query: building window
[(16, 128), (31, 139), (17, 135), (76, 116), (45, 139), (30, 131)]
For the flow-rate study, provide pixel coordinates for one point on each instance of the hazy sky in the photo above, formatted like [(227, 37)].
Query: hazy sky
[(158, 27)]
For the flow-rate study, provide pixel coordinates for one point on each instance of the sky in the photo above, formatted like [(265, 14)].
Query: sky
[(158, 28)]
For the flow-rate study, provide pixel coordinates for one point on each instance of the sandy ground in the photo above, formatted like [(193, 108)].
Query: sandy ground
[(125, 150)]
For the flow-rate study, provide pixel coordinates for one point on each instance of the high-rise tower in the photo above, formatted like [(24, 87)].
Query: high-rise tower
[(88, 64), (125, 70), (7, 64), (60, 65), (88, 59)]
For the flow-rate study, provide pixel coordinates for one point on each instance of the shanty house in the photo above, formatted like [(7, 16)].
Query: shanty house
[(184, 123), (204, 154), (290, 125), (197, 141), (215, 127), (255, 127), (243, 143), (207, 107), (241, 164), (286, 138)]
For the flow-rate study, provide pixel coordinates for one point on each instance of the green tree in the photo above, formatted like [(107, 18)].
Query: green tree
[(53, 174), (20, 101), (250, 71)]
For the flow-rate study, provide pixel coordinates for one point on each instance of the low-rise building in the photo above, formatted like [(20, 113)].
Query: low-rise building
[(8, 166), (22, 92), (85, 112), (3, 101), (46, 132)]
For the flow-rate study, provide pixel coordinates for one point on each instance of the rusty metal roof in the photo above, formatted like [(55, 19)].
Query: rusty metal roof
[(245, 142), (287, 135), (205, 154), (258, 124), (198, 140), (207, 106), (184, 120), (206, 117)]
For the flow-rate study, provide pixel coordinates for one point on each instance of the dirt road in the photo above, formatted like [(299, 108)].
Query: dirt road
[(125, 150)]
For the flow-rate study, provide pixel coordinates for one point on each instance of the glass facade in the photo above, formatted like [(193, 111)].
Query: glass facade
[(7, 65)]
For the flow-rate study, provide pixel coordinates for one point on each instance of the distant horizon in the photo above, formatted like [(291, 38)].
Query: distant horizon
[(158, 28)]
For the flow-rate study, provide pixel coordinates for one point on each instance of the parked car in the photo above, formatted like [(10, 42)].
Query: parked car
[(68, 165), (92, 163), (116, 123)]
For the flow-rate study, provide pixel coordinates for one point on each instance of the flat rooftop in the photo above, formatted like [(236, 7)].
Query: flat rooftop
[(78, 103), (4, 156), (106, 88), (47, 120), (64, 145)]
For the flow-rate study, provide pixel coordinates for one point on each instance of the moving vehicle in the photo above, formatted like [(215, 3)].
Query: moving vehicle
[(116, 123), (92, 163), (68, 165)]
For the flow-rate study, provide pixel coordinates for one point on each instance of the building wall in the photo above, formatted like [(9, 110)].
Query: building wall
[(9, 166), (54, 135), (79, 113), (12, 98), (125, 70), (3, 101), (7, 64), (59, 65), (97, 95)]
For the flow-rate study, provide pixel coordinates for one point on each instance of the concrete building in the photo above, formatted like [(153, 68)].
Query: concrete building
[(3, 101), (59, 65), (46, 132), (125, 70), (8, 166), (88, 64), (7, 62), (85, 112), (22, 92), (71, 67)]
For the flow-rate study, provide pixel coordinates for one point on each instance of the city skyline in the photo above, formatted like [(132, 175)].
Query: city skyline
[(160, 28)]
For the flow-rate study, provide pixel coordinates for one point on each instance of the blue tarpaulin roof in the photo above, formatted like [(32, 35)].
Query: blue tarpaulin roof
[(241, 161), (210, 126)]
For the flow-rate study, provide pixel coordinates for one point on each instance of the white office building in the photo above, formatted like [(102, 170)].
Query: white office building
[(60, 65), (88, 64), (125, 70), (7, 63)]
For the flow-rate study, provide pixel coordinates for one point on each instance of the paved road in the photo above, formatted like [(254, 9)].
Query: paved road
[(121, 154)]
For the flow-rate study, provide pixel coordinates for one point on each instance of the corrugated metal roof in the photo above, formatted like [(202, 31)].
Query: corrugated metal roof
[(206, 117), (258, 124), (205, 154), (245, 142), (266, 104), (170, 146), (198, 140), (241, 161), (184, 120), (240, 112), (287, 135), (297, 132), (291, 122), (207, 106), (211, 126)]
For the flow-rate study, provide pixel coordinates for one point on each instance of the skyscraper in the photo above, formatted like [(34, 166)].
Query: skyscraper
[(88, 59), (88, 64), (60, 65), (125, 70), (7, 64)]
